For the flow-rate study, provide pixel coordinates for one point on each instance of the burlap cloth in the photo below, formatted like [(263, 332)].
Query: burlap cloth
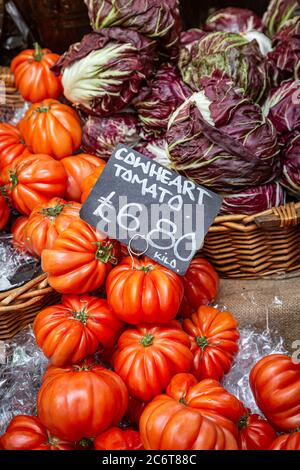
[(273, 304)]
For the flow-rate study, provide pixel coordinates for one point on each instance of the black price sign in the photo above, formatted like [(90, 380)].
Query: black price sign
[(151, 209)]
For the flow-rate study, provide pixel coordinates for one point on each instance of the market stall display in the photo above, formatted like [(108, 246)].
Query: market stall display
[(125, 353)]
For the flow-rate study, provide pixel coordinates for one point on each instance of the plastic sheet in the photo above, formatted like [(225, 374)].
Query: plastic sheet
[(21, 376), (16, 267)]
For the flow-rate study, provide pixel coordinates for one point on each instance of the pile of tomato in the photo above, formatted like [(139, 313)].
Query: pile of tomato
[(136, 354)]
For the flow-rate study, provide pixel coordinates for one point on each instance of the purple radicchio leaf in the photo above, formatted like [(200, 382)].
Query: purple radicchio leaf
[(234, 20), (103, 72), (221, 139), (101, 135), (290, 178), (159, 98), (283, 108), (253, 200), (156, 19)]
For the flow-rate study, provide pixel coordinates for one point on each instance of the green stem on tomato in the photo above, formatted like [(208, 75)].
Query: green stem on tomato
[(147, 340), (38, 52)]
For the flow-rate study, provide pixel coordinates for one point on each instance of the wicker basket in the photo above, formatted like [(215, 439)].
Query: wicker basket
[(257, 246), (18, 307)]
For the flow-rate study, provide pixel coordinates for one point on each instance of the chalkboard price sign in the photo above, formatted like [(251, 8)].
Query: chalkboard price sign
[(151, 209)]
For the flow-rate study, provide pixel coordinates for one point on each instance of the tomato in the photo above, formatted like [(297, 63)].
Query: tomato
[(80, 259), (255, 433), (18, 232), (33, 76), (287, 442), (52, 128), (214, 342), (78, 168), (144, 291), (46, 222), (191, 416), (89, 182), (4, 212), (116, 439), (201, 283), (33, 180), (76, 328), (81, 401), (12, 145), (27, 433), (275, 384), (149, 356), (134, 410)]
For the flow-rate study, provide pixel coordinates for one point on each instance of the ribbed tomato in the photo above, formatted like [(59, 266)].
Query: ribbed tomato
[(52, 128), (4, 212), (118, 439), (33, 76), (81, 401), (12, 145), (78, 168), (287, 442), (275, 384), (18, 232), (34, 180), (214, 342), (255, 433), (27, 433), (201, 283), (149, 356), (144, 291), (76, 328), (89, 182), (46, 222), (80, 259), (191, 416)]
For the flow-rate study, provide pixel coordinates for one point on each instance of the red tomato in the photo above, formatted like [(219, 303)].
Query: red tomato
[(46, 222), (149, 356), (18, 232), (255, 433), (27, 433), (12, 145), (144, 291), (287, 442), (214, 342), (33, 76), (34, 180), (51, 128), (191, 416), (116, 439), (4, 212), (80, 259), (201, 283), (89, 182), (76, 328), (78, 168), (81, 401), (275, 384)]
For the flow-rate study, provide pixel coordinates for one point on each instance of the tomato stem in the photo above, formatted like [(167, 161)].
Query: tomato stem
[(13, 178), (242, 422), (81, 315), (201, 342), (42, 109), (85, 442), (183, 401), (38, 52), (146, 269), (104, 252), (53, 211), (147, 340)]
